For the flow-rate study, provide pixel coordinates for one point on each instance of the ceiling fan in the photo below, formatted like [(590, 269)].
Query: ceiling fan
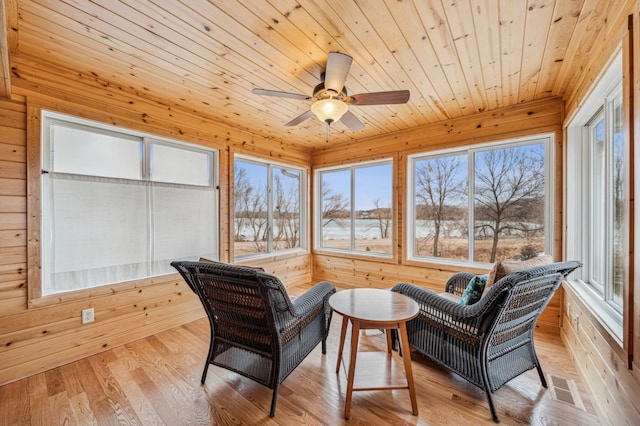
[(330, 99)]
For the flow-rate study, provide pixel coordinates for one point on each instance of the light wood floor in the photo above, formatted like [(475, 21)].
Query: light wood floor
[(156, 381)]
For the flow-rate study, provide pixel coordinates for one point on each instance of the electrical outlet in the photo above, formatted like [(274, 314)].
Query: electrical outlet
[(87, 315), (328, 264)]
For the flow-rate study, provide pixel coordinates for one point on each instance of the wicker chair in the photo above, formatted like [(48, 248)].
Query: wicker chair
[(490, 342), (256, 330)]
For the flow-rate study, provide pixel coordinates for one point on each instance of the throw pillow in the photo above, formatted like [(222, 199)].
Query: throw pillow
[(503, 268), (474, 290)]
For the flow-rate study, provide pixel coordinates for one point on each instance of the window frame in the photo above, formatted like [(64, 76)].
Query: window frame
[(39, 133), (548, 139), (317, 225), (303, 204), (579, 198)]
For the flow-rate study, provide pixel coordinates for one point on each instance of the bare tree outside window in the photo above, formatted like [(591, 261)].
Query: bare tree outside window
[(258, 188), (336, 210), (618, 200), (382, 215), (286, 210), (441, 193), (250, 209), (335, 206), (356, 207), (509, 201)]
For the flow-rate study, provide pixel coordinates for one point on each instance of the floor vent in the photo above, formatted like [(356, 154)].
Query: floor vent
[(566, 391)]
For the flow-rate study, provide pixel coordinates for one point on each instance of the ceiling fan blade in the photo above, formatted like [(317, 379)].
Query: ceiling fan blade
[(299, 119), (338, 65), (280, 94), (351, 121), (380, 98)]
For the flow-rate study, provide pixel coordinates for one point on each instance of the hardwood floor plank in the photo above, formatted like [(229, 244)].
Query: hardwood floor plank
[(170, 390), (72, 381), (130, 386), (99, 404), (14, 403), (55, 382), (59, 409), (37, 393), (81, 410), (156, 381)]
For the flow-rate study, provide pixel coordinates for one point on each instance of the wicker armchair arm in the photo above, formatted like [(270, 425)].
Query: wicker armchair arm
[(431, 303), (464, 323), (458, 282), (306, 308), (312, 297)]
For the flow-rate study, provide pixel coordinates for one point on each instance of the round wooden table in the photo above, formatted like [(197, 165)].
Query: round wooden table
[(375, 309)]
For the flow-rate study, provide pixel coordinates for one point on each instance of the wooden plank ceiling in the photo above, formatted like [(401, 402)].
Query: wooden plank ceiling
[(205, 57)]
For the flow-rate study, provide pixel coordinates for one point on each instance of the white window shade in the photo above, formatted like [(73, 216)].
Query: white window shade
[(98, 232), (175, 165), (183, 225), (106, 219), (83, 152)]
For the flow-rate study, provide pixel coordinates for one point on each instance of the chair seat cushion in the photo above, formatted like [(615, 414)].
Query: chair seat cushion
[(474, 290)]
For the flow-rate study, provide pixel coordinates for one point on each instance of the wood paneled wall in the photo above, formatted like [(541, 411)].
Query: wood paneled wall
[(603, 361), (45, 335), (539, 117)]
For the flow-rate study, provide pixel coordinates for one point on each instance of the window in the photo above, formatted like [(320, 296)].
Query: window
[(596, 173), (355, 211), (268, 207), (119, 206), (480, 204)]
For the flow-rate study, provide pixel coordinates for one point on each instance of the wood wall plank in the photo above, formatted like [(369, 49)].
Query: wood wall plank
[(7, 9), (599, 360)]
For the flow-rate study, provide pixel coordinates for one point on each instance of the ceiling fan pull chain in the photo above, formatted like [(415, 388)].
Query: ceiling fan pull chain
[(326, 137)]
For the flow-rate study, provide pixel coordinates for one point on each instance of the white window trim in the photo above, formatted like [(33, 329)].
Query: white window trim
[(547, 138), (577, 161), (303, 207)]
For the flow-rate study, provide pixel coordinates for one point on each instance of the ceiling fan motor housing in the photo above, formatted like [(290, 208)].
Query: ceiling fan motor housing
[(319, 92)]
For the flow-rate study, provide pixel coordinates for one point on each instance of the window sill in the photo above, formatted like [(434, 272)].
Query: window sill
[(372, 257), (450, 265), (270, 257), (99, 291), (606, 316)]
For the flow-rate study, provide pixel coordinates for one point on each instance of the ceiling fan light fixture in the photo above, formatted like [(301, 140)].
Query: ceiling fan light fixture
[(329, 110)]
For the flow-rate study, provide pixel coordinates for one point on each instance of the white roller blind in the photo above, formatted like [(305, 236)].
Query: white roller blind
[(175, 165), (98, 231), (183, 225), (105, 220), (84, 152)]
